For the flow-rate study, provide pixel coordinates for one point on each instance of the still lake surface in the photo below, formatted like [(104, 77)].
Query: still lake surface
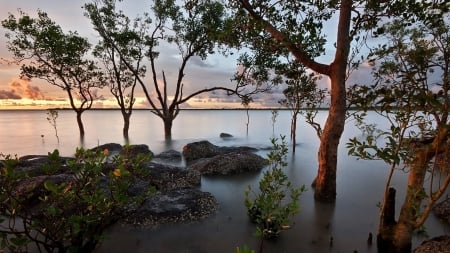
[(360, 184)]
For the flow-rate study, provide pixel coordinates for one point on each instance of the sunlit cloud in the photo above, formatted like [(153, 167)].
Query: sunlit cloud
[(9, 94), (21, 88)]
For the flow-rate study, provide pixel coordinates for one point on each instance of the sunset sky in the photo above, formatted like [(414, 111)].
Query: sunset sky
[(215, 71)]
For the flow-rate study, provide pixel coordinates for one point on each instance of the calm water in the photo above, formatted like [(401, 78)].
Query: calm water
[(349, 221)]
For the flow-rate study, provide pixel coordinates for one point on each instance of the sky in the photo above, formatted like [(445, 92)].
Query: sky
[(217, 70)]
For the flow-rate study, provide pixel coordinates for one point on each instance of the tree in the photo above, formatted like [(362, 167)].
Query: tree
[(193, 29), (52, 115), (302, 97), (122, 81), (412, 71), (59, 58), (276, 30)]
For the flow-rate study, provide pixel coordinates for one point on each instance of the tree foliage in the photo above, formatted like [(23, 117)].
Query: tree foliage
[(47, 52), (278, 33), (302, 96), (411, 91), (193, 28), (127, 49)]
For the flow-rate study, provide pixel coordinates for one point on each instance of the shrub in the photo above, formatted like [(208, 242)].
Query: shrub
[(269, 209), (69, 214)]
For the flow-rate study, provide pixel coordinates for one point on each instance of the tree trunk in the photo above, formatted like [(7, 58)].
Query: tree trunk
[(168, 128), (325, 182), (394, 237), (126, 125), (293, 132), (397, 238), (80, 124)]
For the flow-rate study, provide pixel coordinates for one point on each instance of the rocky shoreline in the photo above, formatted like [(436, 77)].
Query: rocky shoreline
[(177, 198)]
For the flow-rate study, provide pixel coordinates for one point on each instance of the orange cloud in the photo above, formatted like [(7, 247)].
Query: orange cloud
[(21, 88)]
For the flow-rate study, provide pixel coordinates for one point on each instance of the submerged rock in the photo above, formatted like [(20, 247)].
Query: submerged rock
[(133, 150), (225, 135), (167, 178), (439, 244), (229, 164), (169, 157), (200, 149), (183, 205), (205, 149), (442, 210), (111, 147), (210, 159), (177, 197)]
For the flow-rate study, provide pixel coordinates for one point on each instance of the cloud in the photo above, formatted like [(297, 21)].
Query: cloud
[(197, 61), (5, 94), (21, 88)]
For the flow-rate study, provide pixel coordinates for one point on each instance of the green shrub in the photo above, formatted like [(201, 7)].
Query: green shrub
[(68, 215), (269, 209)]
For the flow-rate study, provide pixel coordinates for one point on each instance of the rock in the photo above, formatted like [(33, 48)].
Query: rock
[(169, 157), (111, 147), (167, 178), (201, 149), (35, 165), (177, 198), (184, 205), (134, 150), (205, 149), (442, 210), (440, 244), (225, 135), (33, 187), (230, 163)]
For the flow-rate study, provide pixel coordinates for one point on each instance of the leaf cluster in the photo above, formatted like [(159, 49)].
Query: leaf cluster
[(47, 52), (66, 212), (269, 208)]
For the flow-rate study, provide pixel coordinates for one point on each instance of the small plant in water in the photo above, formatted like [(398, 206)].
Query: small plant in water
[(274, 120), (52, 115), (244, 249), (269, 207)]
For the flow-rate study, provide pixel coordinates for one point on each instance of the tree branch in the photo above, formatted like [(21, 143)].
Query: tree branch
[(297, 51)]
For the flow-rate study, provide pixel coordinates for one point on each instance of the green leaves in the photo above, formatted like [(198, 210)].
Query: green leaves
[(45, 52), (66, 211), (277, 198)]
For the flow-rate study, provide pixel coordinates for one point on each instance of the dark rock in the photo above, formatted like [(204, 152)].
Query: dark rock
[(33, 187), (139, 187), (111, 147), (176, 200), (134, 150), (184, 205), (170, 157), (225, 135), (205, 149), (167, 178), (440, 244), (228, 164), (35, 165), (442, 210), (239, 149), (200, 149)]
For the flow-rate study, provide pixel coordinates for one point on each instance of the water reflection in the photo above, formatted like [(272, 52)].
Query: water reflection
[(322, 227)]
